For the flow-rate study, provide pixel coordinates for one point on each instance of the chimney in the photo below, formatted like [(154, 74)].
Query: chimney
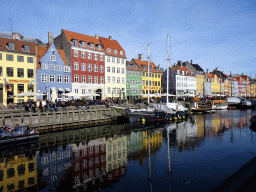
[(16, 36), (179, 63), (97, 36), (191, 62), (110, 37), (207, 71), (62, 30), (50, 37), (217, 68), (140, 57)]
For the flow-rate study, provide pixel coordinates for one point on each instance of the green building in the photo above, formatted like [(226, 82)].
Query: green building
[(133, 81)]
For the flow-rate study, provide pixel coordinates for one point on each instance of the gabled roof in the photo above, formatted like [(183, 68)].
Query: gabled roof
[(18, 48), (131, 68), (140, 63), (112, 44), (81, 37), (197, 67), (185, 69), (210, 75)]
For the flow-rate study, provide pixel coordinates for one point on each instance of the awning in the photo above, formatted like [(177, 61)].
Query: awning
[(67, 89), (60, 89)]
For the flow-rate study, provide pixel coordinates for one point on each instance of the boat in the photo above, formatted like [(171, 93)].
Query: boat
[(245, 105), (219, 104), (233, 102), (8, 135)]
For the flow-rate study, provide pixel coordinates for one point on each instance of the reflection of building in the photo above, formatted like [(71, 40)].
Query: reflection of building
[(200, 125), (18, 173), (185, 130), (89, 163), (116, 152), (52, 167), (155, 140)]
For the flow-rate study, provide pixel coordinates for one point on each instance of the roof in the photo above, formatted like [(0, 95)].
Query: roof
[(197, 67), (112, 44), (210, 75), (81, 37), (18, 46), (140, 63), (175, 68), (130, 67)]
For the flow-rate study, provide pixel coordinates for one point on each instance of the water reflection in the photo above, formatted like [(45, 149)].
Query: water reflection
[(104, 158)]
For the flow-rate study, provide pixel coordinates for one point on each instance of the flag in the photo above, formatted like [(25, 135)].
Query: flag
[(32, 81)]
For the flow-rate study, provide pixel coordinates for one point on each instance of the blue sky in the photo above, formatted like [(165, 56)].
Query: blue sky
[(218, 33)]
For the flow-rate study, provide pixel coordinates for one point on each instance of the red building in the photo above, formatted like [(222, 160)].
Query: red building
[(86, 57)]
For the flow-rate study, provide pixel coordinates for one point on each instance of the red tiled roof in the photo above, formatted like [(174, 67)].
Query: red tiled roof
[(18, 46), (210, 75), (62, 55), (81, 37), (130, 68), (174, 69), (140, 63), (112, 44)]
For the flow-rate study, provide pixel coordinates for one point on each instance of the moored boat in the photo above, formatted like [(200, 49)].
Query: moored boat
[(219, 104)]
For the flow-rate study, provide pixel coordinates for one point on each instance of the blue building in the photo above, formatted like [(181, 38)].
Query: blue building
[(53, 75)]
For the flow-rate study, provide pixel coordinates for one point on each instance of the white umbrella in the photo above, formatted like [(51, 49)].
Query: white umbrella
[(54, 94), (150, 95), (165, 94), (28, 94)]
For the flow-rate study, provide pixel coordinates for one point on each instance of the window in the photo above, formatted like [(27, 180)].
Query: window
[(117, 70), (82, 43), (83, 54), (101, 69), (31, 180), (113, 79), (89, 79), (66, 69), (20, 88), (20, 72), (20, 58), (123, 80), (89, 67), (113, 69), (128, 81), (101, 80), (59, 79), (122, 61), (101, 57), (108, 69), (30, 59), (83, 91), (21, 184), (95, 79), (121, 52), (52, 67), (11, 45), (109, 90), (74, 41), (21, 169), (115, 51), (89, 55), (59, 68), (0, 55), (75, 53), (83, 67), (10, 172), (44, 78), (113, 90), (45, 66), (95, 56), (53, 57), (109, 58), (9, 57), (83, 78), (113, 59), (118, 80), (9, 71), (66, 79), (26, 48), (95, 68), (76, 90), (52, 78), (76, 78), (108, 79), (91, 45), (1, 71), (108, 50), (76, 67), (122, 70)]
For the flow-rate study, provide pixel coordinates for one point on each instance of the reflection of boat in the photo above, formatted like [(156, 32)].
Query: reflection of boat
[(219, 104), (245, 105)]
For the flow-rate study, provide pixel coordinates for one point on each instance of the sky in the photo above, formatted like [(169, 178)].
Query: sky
[(212, 33)]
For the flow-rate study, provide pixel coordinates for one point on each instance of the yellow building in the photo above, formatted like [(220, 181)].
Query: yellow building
[(252, 89), (18, 173), (17, 69), (116, 153), (215, 84), (200, 121), (200, 84), (155, 76), (155, 140)]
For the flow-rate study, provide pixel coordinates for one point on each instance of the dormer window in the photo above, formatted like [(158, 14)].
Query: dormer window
[(11, 45), (151, 68), (144, 66), (98, 47), (26, 48), (115, 51), (82, 43), (91, 45), (178, 71), (121, 52), (182, 72), (108, 50), (74, 42), (53, 57)]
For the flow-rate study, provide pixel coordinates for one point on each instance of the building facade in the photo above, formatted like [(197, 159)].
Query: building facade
[(53, 74), (17, 70)]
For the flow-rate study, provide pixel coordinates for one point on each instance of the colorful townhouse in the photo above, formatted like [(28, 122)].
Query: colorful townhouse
[(246, 85), (252, 87), (233, 86), (207, 84), (53, 75), (133, 80), (86, 57), (115, 68), (241, 90), (155, 76), (17, 69), (215, 83)]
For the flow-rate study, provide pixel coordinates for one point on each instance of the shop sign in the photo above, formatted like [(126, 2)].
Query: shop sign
[(146, 87), (18, 81)]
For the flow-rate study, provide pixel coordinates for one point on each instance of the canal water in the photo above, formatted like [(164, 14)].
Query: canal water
[(195, 154)]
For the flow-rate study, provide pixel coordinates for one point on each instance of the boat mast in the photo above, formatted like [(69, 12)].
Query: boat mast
[(148, 68), (168, 65)]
